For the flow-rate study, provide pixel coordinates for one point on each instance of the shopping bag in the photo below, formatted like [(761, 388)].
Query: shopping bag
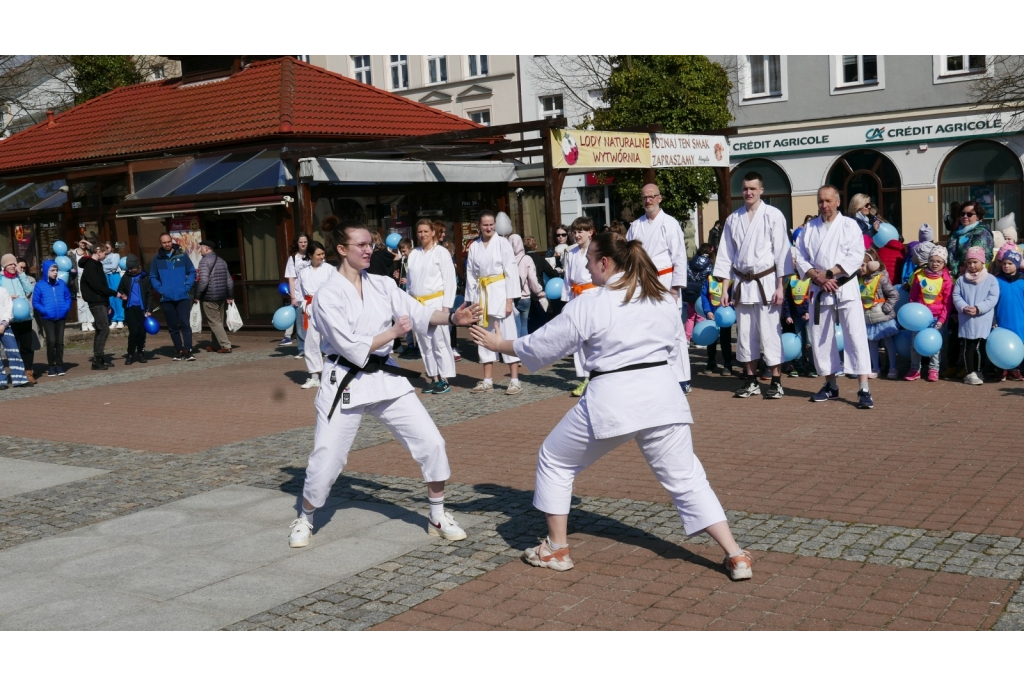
[(196, 318), (233, 319)]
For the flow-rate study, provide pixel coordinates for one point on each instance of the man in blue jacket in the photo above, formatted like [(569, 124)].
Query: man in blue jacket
[(172, 276)]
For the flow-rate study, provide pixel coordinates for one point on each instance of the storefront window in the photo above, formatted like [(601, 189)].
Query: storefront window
[(259, 236), (5, 239), (528, 211), (873, 174), (983, 171), (777, 191)]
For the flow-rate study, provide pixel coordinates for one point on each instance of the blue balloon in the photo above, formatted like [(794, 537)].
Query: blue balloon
[(792, 346), (904, 298), (885, 234), (904, 340), (123, 264), (284, 318), (914, 316), (725, 317), (459, 299), (699, 306), (705, 333), (554, 288), (1004, 348), (60, 248), (64, 263), (392, 240), (63, 275), (20, 310), (284, 290), (151, 325), (928, 342), (840, 343)]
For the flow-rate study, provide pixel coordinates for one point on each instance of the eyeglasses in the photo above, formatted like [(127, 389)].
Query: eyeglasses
[(360, 246), (968, 214), (649, 197)]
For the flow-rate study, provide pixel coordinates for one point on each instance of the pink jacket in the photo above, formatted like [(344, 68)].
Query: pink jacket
[(527, 269), (943, 303)]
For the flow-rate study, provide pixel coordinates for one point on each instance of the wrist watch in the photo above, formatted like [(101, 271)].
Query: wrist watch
[(829, 275)]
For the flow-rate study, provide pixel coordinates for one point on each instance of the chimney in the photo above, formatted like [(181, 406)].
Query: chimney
[(49, 118)]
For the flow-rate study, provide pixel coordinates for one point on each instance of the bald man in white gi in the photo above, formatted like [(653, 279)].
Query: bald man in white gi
[(829, 252), (662, 238)]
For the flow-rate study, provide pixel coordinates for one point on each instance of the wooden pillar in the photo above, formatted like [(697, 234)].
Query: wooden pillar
[(724, 176), (552, 189), (650, 176)]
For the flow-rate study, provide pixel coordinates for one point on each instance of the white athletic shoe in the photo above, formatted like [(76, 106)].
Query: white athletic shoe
[(513, 388), (482, 386), (545, 557), (446, 528), (302, 531), (311, 383)]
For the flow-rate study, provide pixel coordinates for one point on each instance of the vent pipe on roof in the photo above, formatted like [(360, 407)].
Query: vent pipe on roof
[(49, 118)]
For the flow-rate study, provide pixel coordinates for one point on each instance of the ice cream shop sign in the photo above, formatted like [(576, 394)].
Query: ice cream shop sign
[(587, 150)]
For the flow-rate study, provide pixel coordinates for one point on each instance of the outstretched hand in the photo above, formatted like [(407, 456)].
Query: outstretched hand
[(485, 338), (467, 314)]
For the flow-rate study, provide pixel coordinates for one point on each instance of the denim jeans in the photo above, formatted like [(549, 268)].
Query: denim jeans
[(300, 332), (522, 316), (177, 313), (803, 330)]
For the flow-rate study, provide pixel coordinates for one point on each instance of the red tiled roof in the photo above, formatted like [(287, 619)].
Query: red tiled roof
[(281, 98)]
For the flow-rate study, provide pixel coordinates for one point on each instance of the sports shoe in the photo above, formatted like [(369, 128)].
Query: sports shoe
[(750, 388), (514, 388), (118, 325), (774, 391), (933, 375), (301, 532), (99, 367), (793, 373), (429, 390), (60, 371), (189, 357), (52, 372), (864, 400), (458, 357), (313, 382), (300, 355), (893, 374), (141, 358), (973, 379), (685, 386), (711, 369), (446, 528), (740, 566), (441, 387), (285, 341), (826, 393), (726, 372), (129, 360), (224, 350), (482, 387), (1015, 375), (913, 376), (578, 391), (545, 557), (812, 374), (873, 374), (179, 356)]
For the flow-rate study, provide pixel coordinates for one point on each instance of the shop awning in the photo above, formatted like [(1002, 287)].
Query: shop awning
[(234, 206), (333, 170), (32, 196), (225, 173)]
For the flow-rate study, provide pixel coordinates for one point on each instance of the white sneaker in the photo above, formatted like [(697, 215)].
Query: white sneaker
[(87, 327), (302, 531), (973, 379), (446, 528), (300, 355), (482, 386), (311, 383), (120, 324), (545, 557), (514, 388), (458, 357)]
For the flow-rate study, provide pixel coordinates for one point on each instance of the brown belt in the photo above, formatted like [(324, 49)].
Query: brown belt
[(817, 298), (747, 278)]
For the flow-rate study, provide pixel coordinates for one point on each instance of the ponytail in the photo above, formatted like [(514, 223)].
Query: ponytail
[(637, 268)]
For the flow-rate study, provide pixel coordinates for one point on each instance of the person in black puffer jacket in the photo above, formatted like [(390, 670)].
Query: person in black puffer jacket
[(216, 290), (97, 294)]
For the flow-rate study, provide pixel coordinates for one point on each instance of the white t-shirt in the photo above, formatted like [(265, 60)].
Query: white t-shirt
[(296, 263)]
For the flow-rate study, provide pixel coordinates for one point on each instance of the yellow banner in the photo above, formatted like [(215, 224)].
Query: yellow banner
[(600, 150)]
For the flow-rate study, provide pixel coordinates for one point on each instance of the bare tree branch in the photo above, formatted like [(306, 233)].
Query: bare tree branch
[(1005, 88), (575, 76)]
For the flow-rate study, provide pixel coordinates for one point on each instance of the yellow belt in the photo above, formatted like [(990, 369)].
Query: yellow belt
[(485, 281), (423, 299)]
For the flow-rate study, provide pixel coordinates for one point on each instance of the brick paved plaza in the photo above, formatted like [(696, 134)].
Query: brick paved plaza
[(159, 497)]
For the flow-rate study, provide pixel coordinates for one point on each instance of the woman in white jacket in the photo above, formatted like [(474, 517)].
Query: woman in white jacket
[(308, 281), (431, 279), (628, 333)]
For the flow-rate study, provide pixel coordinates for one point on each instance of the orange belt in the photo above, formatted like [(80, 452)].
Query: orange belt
[(666, 271), (305, 313), (578, 288)]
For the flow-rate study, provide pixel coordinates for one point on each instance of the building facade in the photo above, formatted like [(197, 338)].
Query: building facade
[(905, 130)]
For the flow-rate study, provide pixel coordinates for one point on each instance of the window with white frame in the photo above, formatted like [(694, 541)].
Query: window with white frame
[(858, 70), (361, 69), (399, 72), (959, 65), (482, 117), (551, 106), (437, 69), (764, 75), (477, 65)]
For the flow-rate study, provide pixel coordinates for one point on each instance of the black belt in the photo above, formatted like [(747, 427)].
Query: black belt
[(631, 367), (374, 364), (817, 298)]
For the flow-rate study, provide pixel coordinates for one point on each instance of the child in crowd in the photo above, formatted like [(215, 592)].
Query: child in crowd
[(51, 300), (932, 287), (112, 272), (711, 299), (916, 254), (975, 296), (135, 287), (697, 270), (879, 298), (1010, 307), (796, 313)]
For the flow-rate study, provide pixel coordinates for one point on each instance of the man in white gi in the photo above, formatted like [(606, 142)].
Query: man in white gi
[(829, 252), (662, 238), (754, 253)]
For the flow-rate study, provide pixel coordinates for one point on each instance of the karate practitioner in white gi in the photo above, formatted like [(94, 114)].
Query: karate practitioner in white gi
[(358, 316), (577, 281), (431, 278), (754, 254), (308, 282), (628, 333), (829, 252), (492, 281), (662, 238)]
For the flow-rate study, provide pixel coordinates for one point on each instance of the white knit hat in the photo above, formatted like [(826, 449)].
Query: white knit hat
[(1008, 221)]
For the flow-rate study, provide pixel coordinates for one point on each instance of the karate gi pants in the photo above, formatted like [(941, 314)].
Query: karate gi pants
[(507, 327), (857, 355), (311, 352), (436, 350), (404, 416), (571, 447), (759, 333)]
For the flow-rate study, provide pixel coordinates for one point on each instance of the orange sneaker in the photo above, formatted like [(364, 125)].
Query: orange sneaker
[(740, 565), (545, 557)]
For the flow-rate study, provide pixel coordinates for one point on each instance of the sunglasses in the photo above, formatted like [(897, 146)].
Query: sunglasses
[(561, 235), (968, 214)]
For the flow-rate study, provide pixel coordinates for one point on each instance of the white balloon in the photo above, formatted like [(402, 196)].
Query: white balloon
[(502, 224)]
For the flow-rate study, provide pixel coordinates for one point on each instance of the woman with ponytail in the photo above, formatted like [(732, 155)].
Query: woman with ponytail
[(628, 332)]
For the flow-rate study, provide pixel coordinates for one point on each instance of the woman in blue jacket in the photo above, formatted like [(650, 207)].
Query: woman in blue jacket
[(52, 302)]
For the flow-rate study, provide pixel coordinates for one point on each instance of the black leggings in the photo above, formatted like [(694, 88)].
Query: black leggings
[(725, 341), (972, 354), (54, 332)]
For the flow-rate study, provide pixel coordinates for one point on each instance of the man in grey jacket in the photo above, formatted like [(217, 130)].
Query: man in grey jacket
[(216, 290)]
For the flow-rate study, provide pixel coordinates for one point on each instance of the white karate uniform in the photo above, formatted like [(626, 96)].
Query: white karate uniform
[(347, 325), (821, 247), (751, 244), (430, 273), (307, 283), (574, 266), (662, 238), (646, 405), (493, 258)]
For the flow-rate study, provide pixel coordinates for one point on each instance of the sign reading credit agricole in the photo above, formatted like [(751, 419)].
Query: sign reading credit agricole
[(868, 135)]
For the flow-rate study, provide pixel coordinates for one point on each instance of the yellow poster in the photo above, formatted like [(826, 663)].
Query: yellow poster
[(600, 150)]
